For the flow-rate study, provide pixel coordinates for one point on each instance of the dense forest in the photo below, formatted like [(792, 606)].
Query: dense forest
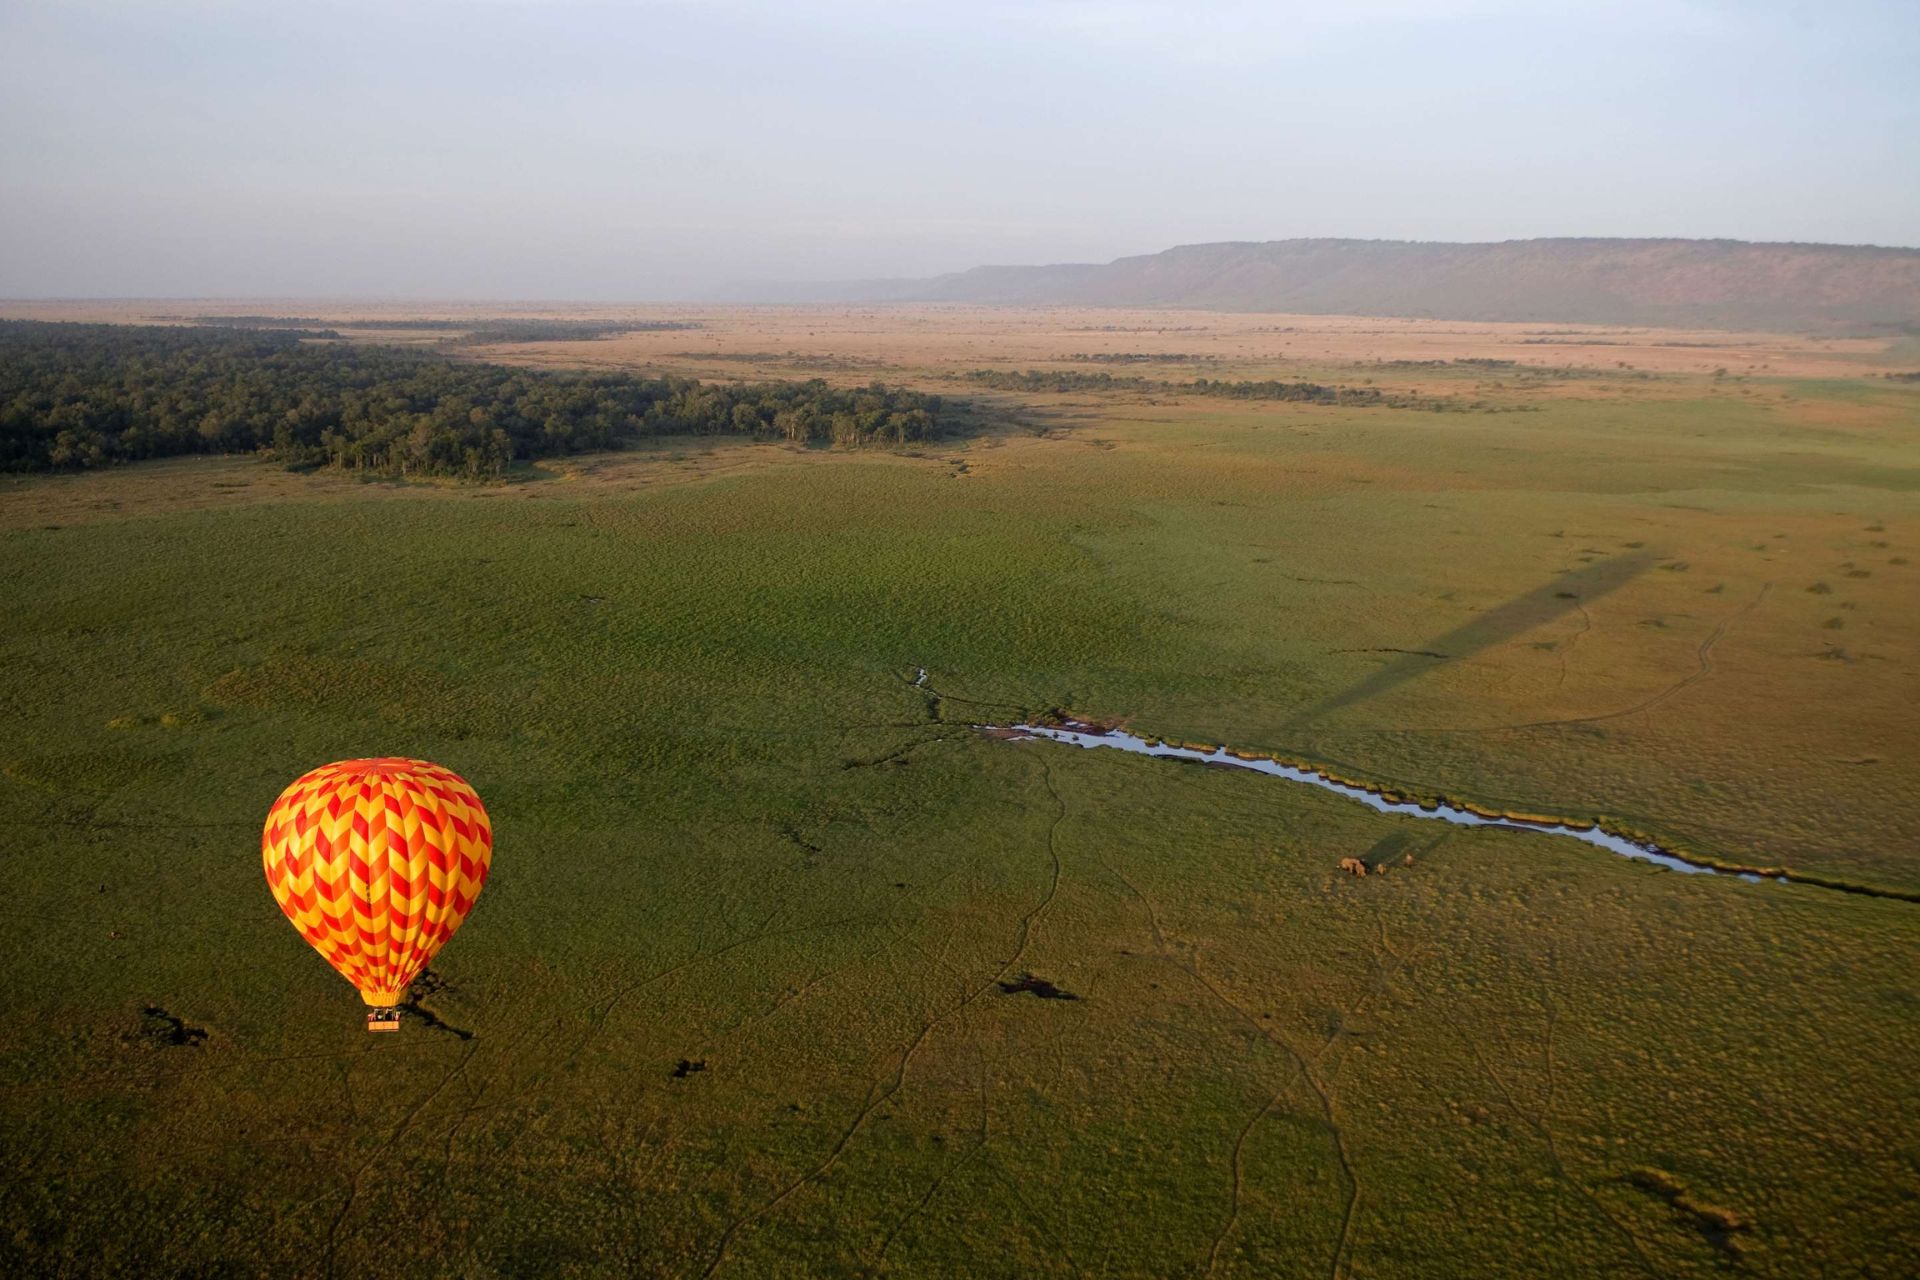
[(84, 395)]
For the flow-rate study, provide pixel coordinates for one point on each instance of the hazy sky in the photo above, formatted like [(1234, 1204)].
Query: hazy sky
[(659, 149)]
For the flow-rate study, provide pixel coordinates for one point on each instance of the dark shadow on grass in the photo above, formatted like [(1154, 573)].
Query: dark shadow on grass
[(165, 1028), (427, 985), (1496, 626), (1028, 984), (1391, 847)]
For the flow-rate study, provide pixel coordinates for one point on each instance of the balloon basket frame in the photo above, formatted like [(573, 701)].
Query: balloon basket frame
[(383, 1020)]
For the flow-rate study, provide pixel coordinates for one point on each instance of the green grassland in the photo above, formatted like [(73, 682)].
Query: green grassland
[(731, 1005)]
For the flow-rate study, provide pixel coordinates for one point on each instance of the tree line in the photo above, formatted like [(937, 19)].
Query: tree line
[(1296, 392), (1081, 380), (87, 395), (1139, 357), (477, 332)]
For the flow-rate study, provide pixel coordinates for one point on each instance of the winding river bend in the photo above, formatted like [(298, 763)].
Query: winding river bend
[(1088, 735)]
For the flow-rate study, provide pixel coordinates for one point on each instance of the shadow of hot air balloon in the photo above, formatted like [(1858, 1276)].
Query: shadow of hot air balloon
[(1495, 626)]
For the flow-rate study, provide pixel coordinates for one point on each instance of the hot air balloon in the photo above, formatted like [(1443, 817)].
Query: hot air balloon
[(377, 863)]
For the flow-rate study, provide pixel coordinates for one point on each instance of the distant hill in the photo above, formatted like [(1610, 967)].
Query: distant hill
[(1714, 283)]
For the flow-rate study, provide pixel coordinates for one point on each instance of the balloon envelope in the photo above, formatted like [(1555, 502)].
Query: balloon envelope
[(377, 863)]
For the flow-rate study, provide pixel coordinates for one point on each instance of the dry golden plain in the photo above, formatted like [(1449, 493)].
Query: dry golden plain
[(948, 337)]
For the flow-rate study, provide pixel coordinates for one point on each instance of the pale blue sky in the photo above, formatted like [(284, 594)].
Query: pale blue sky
[(658, 149)]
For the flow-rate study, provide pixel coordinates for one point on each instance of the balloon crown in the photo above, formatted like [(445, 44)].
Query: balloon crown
[(386, 766)]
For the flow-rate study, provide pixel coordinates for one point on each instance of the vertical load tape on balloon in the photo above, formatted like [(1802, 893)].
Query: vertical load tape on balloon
[(377, 863)]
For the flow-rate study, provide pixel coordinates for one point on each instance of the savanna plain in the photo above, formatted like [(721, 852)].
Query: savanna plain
[(790, 966)]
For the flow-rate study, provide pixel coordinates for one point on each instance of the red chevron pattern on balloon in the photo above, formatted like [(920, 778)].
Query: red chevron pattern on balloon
[(377, 863)]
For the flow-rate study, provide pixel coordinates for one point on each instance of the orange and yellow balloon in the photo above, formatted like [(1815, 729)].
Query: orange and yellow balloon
[(377, 863)]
